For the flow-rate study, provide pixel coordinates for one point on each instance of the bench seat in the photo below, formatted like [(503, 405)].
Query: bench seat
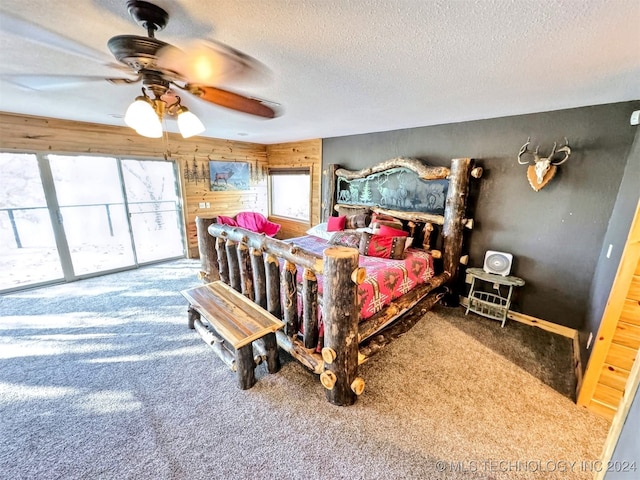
[(239, 322)]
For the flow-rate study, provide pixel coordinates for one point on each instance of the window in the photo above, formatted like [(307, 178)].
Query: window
[(290, 193)]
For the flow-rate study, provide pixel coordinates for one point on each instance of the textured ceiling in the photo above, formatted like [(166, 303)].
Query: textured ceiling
[(343, 67)]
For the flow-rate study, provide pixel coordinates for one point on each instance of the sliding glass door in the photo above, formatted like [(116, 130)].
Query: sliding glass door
[(28, 253), (64, 217), (154, 209), (93, 212)]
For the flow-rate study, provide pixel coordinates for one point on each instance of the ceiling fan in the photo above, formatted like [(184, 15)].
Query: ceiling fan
[(164, 69)]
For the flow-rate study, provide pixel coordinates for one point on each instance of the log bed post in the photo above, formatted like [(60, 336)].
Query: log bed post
[(329, 194), (340, 315), (453, 227), (207, 250)]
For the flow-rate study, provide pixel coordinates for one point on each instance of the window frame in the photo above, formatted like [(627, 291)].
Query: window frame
[(293, 170)]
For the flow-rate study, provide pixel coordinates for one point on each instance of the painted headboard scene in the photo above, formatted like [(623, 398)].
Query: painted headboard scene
[(397, 188)]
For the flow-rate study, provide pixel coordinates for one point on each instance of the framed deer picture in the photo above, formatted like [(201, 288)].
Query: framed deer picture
[(226, 176)]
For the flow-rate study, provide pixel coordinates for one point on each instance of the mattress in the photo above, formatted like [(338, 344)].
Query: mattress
[(386, 279)]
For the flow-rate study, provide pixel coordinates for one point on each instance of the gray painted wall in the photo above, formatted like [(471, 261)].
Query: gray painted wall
[(626, 455), (616, 236), (556, 234)]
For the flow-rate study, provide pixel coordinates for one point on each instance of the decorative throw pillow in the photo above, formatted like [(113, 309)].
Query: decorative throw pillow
[(383, 247), (393, 224), (320, 231), (336, 224), (378, 219), (351, 209), (346, 239), (388, 231), (360, 220)]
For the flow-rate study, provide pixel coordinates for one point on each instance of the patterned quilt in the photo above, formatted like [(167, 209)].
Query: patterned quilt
[(386, 279)]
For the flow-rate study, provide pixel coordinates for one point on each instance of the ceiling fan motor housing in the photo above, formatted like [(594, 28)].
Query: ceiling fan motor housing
[(139, 53)]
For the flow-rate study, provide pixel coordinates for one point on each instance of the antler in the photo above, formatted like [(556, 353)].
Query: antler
[(566, 150), (523, 150), (380, 182)]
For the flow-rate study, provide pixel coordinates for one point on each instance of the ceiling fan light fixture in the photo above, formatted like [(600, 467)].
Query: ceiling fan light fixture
[(140, 112), (151, 129), (188, 124)]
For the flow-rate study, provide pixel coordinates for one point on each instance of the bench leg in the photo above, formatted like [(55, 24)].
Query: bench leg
[(245, 366), (273, 359), (193, 316)]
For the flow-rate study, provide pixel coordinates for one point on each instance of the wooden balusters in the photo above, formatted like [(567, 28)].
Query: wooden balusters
[(290, 291), (272, 273), (427, 231), (259, 278), (234, 267), (310, 308), (223, 265), (246, 277), (207, 250)]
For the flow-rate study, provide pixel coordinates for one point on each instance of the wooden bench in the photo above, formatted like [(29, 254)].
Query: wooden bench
[(233, 327)]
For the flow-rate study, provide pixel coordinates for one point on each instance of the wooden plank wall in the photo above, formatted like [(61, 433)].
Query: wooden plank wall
[(37, 134), (299, 154), (226, 203)]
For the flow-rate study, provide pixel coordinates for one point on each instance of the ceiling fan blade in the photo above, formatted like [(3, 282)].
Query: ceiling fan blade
[(54, 82), (211, 63), (36, 33), (231, 100)]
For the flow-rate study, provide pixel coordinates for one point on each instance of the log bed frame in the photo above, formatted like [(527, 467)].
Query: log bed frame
[(250, 263)]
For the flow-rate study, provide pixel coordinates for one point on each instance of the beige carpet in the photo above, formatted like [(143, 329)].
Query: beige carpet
[(102, 379), (469, 406)]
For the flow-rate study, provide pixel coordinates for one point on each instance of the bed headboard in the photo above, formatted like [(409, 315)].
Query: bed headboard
[(403, 187), (412, 191)]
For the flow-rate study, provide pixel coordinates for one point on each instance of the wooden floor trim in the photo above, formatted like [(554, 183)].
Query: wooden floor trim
[(535, 322)]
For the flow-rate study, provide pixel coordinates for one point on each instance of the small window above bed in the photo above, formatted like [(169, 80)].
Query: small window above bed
[(290, 193)]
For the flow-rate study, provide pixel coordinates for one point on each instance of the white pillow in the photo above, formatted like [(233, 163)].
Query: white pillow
[(320, 231)]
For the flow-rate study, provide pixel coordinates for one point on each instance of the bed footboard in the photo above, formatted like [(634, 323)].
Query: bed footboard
[(251, 264)]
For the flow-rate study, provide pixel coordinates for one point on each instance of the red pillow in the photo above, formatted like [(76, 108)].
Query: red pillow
[(387, 231), (336, 224), (383, 247)]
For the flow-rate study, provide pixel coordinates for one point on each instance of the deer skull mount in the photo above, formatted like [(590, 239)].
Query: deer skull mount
[(543, 169)]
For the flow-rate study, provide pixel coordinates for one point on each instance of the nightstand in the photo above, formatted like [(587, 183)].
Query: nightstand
[(491, 305)]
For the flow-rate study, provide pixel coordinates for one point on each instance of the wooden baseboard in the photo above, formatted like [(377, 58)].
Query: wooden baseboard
[(535, 322)]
